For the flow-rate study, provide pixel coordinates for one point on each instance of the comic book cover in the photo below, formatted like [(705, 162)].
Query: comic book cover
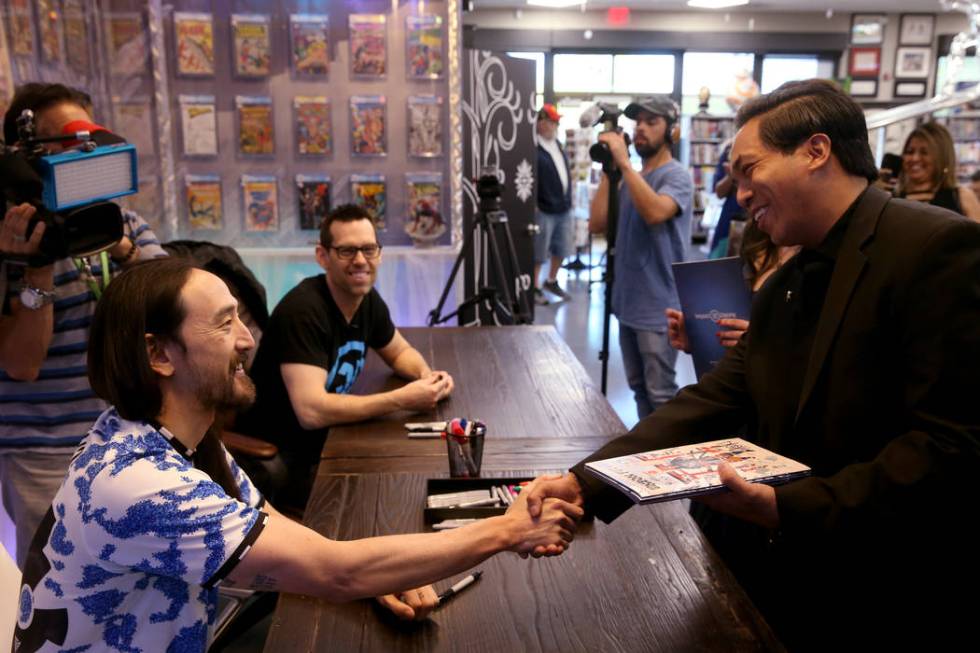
[(423, 47), (314, 135), (261, 204), (126, 42), (203, 194), (254, 125), (133, 120), (194, 36), (309, 44), (21, 28), (424, 125), (76, 37), (313, 200), (369, 191), (199, 128), (6, 74), (367, 120), (425, 221), (49, 29), (692, 470), (368, 46), (250, 36)]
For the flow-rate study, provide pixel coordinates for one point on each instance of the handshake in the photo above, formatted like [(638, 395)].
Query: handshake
[(543, 520)]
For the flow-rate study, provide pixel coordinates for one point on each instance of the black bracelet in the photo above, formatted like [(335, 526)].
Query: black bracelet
[(129, 255)]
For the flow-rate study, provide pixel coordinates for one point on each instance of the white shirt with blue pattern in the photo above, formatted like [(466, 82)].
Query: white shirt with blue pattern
[(135, 541)]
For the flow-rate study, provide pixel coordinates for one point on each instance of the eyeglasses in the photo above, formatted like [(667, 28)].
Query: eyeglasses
[(347, 252)]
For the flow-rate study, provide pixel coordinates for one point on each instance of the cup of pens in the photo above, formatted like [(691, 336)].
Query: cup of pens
[(464, 443)]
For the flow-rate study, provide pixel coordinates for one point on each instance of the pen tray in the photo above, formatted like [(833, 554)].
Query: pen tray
[(447, 485)]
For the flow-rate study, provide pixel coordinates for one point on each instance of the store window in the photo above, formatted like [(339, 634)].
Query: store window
[(778, 69), (721, 72), (643, 73), (583, 73)]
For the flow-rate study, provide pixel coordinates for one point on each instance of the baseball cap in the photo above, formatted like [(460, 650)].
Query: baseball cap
[(658, 105), (550, 112)]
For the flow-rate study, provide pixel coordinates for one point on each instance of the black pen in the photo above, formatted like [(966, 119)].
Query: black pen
[(460, 586)]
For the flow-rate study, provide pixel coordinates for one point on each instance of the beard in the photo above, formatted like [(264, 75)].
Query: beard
[(224, 389), (648, 150)]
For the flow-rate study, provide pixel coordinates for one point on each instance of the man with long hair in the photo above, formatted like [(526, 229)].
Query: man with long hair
[(154, 513)]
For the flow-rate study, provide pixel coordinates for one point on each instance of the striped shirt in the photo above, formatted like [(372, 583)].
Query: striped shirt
[(59, 407)]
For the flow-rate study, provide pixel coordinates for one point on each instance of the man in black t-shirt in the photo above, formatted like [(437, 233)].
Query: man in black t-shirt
[(315, 346)]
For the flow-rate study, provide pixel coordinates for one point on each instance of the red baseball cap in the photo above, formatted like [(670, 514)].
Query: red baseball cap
[(550, 112)]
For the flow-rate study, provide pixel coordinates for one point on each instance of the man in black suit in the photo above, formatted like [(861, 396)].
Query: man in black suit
[(861, 362)]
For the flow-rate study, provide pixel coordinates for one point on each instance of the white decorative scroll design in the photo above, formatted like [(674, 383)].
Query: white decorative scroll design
[(492, 109)]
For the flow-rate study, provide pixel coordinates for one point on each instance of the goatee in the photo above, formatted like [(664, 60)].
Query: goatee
[(647, 151)]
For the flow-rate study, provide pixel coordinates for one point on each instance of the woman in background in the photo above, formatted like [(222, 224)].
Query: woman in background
[(929, 172), (761, 257)]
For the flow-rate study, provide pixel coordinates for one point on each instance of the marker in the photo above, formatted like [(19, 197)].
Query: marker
[(482, 502), (460, 586), (425, 434)]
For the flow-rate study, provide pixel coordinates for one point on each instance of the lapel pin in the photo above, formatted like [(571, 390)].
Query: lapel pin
[(789, 295)]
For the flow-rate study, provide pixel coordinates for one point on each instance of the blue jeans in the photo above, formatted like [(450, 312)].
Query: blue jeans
[(649, 362)]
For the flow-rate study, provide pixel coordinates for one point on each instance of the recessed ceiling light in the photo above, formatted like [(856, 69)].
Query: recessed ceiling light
[(555, 4), (716, 4)]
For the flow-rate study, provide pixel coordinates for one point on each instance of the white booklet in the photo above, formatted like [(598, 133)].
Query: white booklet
[(680, 472)]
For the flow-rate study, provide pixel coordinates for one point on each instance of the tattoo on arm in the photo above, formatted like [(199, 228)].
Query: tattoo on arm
[(263, 583)]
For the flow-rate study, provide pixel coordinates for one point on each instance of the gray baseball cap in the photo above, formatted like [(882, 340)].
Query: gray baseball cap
[(658, 105)]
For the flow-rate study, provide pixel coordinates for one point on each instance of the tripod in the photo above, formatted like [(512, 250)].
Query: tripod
[(614, 176), (489, 220)]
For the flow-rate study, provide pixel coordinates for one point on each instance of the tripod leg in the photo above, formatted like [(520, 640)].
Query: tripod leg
[(435, 316), (523, 312), (502, 283)]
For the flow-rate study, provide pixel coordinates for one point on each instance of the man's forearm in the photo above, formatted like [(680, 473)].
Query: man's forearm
[(26, 334), (652, 207), (332, 408), (346, 570), (410, 365)]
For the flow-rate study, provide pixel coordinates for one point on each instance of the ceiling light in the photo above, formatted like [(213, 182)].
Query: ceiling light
[(716, 4), (554, 4)]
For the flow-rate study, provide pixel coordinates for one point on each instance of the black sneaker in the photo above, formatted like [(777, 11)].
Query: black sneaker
[(555, 289), (539, 298)]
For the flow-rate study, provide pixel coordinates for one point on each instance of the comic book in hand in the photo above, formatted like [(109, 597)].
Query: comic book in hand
[(710, 291), (692, 470)]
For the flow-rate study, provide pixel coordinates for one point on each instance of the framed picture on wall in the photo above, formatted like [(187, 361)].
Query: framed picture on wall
[(916, 29), (864, 88), (865, 62), (913, 62), (867, 29), (906, 88)]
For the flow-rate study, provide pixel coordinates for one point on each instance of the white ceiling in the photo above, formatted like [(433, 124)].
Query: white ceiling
[(840, 6)]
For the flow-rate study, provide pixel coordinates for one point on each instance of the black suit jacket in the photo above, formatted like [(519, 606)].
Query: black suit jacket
[(888, 418)]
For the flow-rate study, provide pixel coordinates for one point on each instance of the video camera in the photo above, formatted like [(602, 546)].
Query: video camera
[(608, 115), (489, 189), (69, 189)]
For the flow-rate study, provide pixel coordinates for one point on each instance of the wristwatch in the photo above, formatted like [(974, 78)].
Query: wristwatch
[(35, 298)]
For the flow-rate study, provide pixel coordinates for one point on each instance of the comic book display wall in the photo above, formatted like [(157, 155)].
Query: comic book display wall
[(277, 110)]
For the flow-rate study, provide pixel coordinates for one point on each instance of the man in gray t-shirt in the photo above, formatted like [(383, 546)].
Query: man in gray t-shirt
[(654, 225)]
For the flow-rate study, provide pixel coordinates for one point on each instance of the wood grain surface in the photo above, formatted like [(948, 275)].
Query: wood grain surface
[(647, 582)]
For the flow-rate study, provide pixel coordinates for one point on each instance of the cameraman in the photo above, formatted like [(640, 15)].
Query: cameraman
[(48, 405), (654, 225)]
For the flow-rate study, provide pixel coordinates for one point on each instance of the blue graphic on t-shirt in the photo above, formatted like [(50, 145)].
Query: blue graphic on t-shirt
[(346, 367)]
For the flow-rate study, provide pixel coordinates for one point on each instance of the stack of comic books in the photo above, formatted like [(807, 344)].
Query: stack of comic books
[(692, 470)]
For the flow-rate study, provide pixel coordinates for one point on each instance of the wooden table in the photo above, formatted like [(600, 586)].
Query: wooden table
[(647, 582), (523, 382)]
